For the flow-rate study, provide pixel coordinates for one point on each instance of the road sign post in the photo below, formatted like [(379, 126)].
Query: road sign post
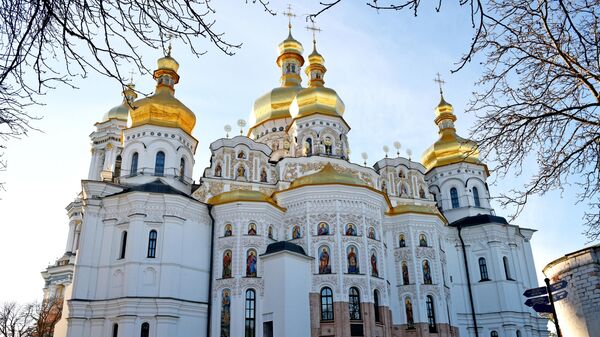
[(550, 297)]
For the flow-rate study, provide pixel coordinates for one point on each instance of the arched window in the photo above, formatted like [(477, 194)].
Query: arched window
[(159, 164), (134, 164), (422, 240), (426, 272), (118, 166), (152, 244), (227, 260), (182, 169), (483, 272), (410, 320), (218, 170), (405, 277), (476, 197), (352, 256), (454, 198), (145, 330), (115, 331), (518, 333), (270, 232), (250, 313), (494, 333), (354, 304), (431, 314), (296, 234), (228, 230), (323, 229), (326, 304), (226, 313), (328, 145), (251, 263), (506, 268), (401, 174), (308, 147), (376, 306), (421, 193), (123, 245), (402, 240), (324, 260)]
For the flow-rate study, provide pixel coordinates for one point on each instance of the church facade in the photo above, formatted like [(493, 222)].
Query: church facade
[(283, 235)]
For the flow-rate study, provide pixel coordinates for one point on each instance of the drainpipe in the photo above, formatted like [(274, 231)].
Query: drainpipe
[(462, 243), (210, 268)]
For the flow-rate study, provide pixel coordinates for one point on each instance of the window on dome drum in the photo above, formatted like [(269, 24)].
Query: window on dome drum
[(483, 272), (354, 304), (376, 306), (152, 244), (494, 333), (476, 197), (123, 245), (454, 198), (115, 330), (118, 166), (326, 304), (159, 165), (250, 313), (518, 333), (308, 147), (145, 330), (182, 169), (431, 314), (134, 164), (506, 268)]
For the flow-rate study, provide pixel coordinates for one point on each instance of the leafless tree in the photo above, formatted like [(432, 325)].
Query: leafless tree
[(538, 97), (30, 320), (46, 43)]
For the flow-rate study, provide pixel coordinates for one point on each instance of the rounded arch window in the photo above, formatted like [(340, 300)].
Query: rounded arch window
[(270, 232), (476, 199), (494, 333), (159, 164), (454, 197), (402, 240), (326, 304), (354, 304)]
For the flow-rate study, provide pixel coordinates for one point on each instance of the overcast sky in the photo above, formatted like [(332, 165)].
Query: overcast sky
[(381, 64)]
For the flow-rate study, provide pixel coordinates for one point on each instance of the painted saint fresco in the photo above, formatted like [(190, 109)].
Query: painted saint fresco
[(251, 260), (324, 266), (352, 260), (296, 234), (227, 264), (374, 271), (226, 313), (323, 229), (426, 273), (228, 230), (252, 229), (351, 230)]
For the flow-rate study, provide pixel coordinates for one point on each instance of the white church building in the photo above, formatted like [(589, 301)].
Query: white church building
[(282, 235)]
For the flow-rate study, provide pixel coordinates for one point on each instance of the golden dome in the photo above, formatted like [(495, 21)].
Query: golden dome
[(121, 111), (162, 108), (418, 209), (449, 148), (241, 196), (317, 98), (327, 176), (275, 104)]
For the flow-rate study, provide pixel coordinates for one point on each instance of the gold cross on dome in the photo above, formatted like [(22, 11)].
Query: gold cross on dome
[(131, 76), (314, 30), (290, 15), (168, 37), (440, 82)]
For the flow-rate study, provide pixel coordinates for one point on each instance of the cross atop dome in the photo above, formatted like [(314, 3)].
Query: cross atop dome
[(313, 27), (440, 82), (290, 15)]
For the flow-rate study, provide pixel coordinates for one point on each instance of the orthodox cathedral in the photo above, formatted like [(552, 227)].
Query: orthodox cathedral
[(283, 235)]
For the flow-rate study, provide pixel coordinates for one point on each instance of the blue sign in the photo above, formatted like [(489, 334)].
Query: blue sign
[(535, 292), (542, 308), (537, 300), (558, 286), (559, 296)]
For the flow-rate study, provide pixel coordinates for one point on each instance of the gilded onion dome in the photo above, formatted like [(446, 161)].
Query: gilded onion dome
[(317, 98), (449, 148), (275, 103), (121, 111), (326, 176), (162, 108)]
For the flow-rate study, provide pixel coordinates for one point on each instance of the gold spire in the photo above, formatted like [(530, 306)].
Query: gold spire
[(162, 108), (449, 148)]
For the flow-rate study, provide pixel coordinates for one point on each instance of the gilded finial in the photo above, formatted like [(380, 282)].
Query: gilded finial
[(168, 37), (440, 82), (290, 15)]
